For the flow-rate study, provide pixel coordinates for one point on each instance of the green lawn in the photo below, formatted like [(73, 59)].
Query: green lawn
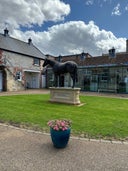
[(99, 117)]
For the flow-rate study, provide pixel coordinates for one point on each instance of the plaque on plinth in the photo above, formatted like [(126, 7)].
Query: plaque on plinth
[(65, 95)]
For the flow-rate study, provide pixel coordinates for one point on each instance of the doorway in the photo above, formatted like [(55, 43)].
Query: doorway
[(1, 81)]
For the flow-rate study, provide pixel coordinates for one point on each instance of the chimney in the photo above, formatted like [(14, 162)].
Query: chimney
[(6, 32), (112, 53), (83, 55), (127, 45), (59, 58), (29, 41)]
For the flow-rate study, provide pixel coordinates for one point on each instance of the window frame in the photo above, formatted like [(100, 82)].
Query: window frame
[(36, 61), (19, 75)]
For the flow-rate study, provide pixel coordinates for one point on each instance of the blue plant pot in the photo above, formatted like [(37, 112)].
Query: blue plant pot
[(60, 138)]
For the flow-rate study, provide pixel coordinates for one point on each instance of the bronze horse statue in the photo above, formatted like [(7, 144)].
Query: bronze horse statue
[(60, 68)]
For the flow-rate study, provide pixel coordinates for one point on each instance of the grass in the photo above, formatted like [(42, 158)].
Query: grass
[(100, 116)]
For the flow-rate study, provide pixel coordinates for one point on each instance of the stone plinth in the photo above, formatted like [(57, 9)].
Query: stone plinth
[(65, 95)]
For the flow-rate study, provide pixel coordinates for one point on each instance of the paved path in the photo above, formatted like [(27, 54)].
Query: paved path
[(46, 91), (23, 150), (29, 91)]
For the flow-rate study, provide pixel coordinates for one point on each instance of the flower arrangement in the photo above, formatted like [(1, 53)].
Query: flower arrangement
[(59, 125)]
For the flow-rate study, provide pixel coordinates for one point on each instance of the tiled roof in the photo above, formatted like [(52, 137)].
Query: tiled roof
[(104, 60), (14, 45)]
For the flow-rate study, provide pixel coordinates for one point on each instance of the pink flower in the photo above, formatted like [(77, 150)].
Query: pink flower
[(56, 128), (62, 123), (59, 125)]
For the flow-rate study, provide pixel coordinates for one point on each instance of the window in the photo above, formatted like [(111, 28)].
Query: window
[(18, 76), (36, 61)]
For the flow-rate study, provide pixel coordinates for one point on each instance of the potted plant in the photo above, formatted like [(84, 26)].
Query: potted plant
[(60, 132)]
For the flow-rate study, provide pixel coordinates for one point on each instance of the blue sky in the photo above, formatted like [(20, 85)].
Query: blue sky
[(111, 15), (69, 26)]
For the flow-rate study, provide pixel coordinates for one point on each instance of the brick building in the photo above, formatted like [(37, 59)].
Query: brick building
[(20, 64)]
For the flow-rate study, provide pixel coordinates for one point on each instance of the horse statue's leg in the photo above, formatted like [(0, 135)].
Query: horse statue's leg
[(56, 80), (73, 79), (73, 83)]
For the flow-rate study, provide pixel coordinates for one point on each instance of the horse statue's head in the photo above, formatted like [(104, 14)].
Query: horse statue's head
[(46, 62)]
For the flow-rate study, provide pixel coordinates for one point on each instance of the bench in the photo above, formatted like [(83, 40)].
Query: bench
[(107, 90)]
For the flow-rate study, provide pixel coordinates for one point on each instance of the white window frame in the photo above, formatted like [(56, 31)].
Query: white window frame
[(19, 75)]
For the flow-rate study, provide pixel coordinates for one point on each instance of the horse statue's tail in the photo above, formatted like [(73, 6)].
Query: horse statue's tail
[(76, 76)]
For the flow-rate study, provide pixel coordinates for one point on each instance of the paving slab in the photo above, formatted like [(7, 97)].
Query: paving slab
[(23, 150)]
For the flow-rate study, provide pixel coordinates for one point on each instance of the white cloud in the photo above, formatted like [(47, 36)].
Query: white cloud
[(74, 37), (16, 13), (116, 10), (68, 38), (100, 2), (89, 2), (126, 7)]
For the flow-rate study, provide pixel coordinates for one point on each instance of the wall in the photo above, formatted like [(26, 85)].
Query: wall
[(19, 63)]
